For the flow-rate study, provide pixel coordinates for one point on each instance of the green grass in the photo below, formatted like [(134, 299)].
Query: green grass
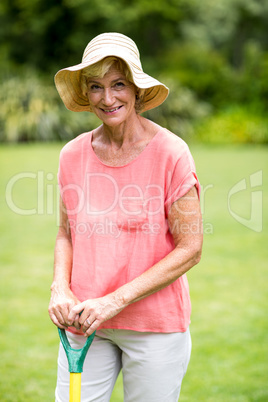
[(228, 288)]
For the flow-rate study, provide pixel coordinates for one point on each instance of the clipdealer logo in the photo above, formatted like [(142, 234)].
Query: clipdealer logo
[(248, 189), (253, 186)]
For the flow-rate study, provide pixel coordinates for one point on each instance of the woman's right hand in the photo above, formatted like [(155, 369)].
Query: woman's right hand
[(61, 302)]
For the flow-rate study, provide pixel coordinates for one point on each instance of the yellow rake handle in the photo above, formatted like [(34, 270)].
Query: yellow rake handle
[(76, 359), (75, 387)]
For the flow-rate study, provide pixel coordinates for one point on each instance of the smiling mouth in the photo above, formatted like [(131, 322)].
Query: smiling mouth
[(111, 110)]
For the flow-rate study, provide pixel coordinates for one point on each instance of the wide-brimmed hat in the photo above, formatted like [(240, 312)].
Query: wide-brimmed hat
[(68, 80)]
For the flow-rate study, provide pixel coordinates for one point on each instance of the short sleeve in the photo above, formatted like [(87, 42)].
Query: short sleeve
[(181, 178)]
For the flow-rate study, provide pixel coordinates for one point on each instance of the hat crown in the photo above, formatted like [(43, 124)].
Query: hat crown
[(112, 44)]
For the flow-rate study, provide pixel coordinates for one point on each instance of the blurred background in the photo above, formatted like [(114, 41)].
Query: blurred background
[(213, 55)]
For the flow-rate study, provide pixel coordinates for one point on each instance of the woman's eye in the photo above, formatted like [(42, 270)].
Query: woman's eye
[(94, 87), (119, 85)]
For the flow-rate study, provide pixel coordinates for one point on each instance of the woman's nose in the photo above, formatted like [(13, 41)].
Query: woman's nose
[(108, 97)]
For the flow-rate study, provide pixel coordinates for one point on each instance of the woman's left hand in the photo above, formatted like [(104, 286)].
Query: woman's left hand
[(94, 312)]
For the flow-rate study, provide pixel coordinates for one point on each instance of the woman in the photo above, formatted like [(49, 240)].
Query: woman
[(130, 230)]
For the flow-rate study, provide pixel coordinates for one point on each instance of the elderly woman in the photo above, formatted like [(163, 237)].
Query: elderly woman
[(130, 230)]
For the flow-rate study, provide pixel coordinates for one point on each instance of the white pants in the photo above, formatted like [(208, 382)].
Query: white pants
[(153, 366)]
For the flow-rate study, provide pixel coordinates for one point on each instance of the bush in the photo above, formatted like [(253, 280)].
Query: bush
[(31, 110), (206, 72), (180, 110), (202, 70), (237, 124)]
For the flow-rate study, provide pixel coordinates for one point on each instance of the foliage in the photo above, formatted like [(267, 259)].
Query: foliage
[(58, 31), (31, 110), (54, 33), (201, 70), (180, 111), (206, 72), (223, 52), (234, 125), (214, 54)]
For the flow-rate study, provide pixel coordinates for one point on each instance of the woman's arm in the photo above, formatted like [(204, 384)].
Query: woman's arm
[(62, 299), (185, 222)]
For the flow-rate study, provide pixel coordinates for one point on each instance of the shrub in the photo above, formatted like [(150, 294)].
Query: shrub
[(202, 70), (237, 124), (180, 110), (33, 111)]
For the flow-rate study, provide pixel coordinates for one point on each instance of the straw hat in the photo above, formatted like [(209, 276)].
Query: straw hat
[(68, 80)]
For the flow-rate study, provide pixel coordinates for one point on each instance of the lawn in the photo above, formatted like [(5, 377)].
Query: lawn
[(228, 288)]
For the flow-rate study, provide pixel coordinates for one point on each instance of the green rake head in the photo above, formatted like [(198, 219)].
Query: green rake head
[(76, 357)]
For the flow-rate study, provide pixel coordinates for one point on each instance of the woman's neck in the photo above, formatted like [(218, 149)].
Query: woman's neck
[(125, 133)]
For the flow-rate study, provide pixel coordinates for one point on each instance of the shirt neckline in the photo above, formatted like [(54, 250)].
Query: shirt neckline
[(148, 146)]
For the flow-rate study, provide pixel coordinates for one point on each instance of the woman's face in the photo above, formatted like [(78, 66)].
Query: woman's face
[(112, 98)]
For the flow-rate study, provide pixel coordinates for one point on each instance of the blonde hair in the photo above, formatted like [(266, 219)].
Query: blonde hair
[(99, 69)]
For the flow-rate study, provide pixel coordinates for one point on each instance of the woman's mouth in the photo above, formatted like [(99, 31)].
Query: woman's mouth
[(112, 110)]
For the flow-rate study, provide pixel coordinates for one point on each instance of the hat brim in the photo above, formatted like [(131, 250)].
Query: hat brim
[(68, 84)]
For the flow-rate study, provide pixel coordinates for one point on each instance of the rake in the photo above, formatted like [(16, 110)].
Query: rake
[(76, 358)]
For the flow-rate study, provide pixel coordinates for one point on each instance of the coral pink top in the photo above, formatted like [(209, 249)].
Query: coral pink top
[(118, 218)]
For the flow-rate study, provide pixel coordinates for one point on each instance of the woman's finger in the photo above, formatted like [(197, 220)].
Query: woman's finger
[(74, 311), (87, 323), (76, 323), (56, 321), (93, 327)]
